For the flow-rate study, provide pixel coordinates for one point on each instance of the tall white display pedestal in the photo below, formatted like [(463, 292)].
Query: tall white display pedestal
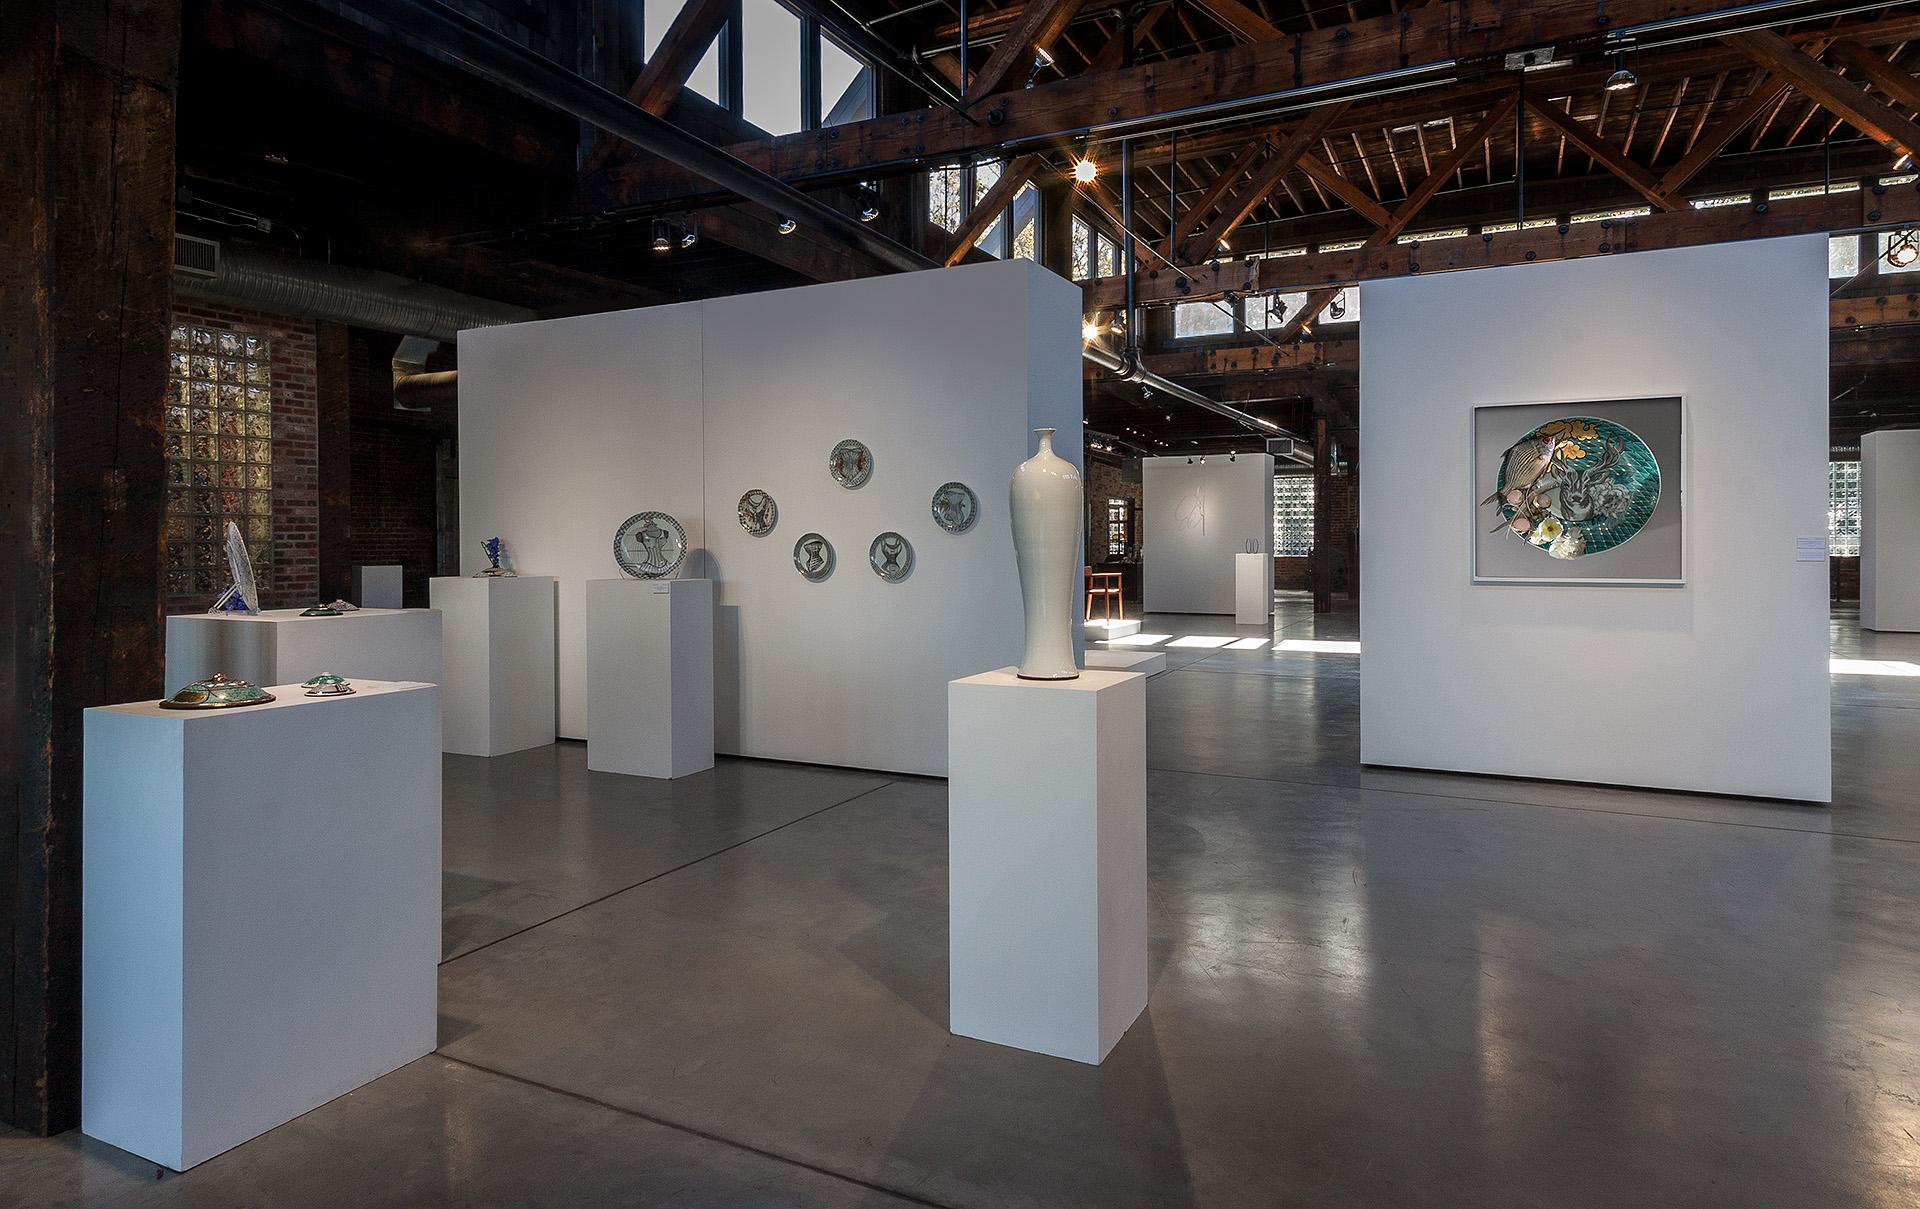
[(379, 587), (281, 647), (650, 676), (1890, 530), (260, 911), (496, 655), (1252, 589), (1047, 860)]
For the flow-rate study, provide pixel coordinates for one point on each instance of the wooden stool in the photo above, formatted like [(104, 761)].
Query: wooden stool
[(1106, 585)]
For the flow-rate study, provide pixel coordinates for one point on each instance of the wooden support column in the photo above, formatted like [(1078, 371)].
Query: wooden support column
[(1321, 568), (87, 236)]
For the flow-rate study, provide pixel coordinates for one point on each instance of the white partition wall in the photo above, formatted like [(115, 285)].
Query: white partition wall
[(568, 426), (1890, 530), (1195, 515), (1717, 686)]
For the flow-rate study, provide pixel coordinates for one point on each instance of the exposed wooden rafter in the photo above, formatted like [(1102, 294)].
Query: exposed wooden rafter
[(693, 29), (1866, 113), (1266, 177), (1606, 155), (1040, 23)]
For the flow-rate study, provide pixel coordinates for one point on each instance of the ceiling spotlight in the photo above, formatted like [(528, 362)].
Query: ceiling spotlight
[(869, 212), (1621, 80), (660, 241), (1040, 59), (689, 237), (1337, 309), (1903, 248), (1904, 162), (1225, 247), (1085, 170), (788, 226)]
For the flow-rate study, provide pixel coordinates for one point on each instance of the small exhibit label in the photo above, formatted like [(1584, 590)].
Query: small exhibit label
[(660, 589), (1810, 549)]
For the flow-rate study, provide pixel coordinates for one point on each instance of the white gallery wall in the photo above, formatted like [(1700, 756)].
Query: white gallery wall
[(1890, 530), (1195, 516), (942, 374), (1720, 685)]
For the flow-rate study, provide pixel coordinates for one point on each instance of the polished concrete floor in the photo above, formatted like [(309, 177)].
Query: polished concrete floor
[(1370, 988)]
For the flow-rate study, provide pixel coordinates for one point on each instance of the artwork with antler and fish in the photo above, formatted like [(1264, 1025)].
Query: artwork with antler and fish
[(1575, 485)]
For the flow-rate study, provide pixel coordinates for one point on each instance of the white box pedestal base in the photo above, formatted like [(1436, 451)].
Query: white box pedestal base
[(281, 647), (496, 649), (379, 587), (260, 911), (1252, 589), (1047, 860), (1128, 659), (650, 676), (1101, 630)]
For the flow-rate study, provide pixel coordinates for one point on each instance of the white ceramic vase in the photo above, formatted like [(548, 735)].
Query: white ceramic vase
[(1046, 503)]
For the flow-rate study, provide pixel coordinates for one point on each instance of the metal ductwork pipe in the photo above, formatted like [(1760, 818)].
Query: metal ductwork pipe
[(1127, 368), (385, 302)]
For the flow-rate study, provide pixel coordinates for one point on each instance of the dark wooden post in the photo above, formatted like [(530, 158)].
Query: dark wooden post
[(86, 236), (335, 454), (1322, 564)]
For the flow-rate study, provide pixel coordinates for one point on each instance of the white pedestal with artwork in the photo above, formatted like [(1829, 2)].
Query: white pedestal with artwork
[(1047, 860), (1100, 629), (1127, 659), (281, 647), (496, 654), (378, 587), (261, 911), (650, 676), (1252, 589)]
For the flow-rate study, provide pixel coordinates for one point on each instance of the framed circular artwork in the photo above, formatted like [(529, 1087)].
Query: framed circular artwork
[(850, 464), (650, 545), (1576, 486), (758, 513), (813, 557), (955, 507), (891, 557)]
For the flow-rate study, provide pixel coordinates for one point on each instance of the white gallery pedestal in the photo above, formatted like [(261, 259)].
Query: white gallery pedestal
[(1099, 629), (496, 655), (650, 676), (1128, 659), (260, 911), (1047, 860), (1252, 589), (379, 587), (281, 647), (1890, 530)]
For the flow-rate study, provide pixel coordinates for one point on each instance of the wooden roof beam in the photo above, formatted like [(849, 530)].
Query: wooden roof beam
[(1328, 178), (990, 207), (1265, 179), (1211, 195), (693, 29), (1883, 75), (1869, 115), (1248, 25), (1588, 140), (1767, 89), (1040, 23)]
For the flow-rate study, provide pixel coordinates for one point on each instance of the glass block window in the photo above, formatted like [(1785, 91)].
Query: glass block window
[(1082, 250), (1201, 319), (1107, 257), (1117, 515), (1843, 509), (219, 452), (1293, 515)]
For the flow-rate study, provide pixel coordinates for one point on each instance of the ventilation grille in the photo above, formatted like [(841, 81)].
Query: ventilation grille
[(196, 257)]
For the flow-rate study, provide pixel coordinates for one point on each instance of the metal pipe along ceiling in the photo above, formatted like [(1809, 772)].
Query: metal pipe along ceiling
[(366, 298)]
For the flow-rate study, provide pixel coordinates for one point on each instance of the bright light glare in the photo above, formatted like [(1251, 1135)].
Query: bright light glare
[(1139, 640), (1210, 642), (1874, 667), (1089, 331), (1085, 170), (1318, 646), (1248, 644)]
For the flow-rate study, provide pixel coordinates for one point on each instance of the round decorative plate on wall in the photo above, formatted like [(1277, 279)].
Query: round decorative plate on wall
[(758, 513), (850, 464), (891, 557), (955, 507), (813, 557), (1577, 486), (650, 545)]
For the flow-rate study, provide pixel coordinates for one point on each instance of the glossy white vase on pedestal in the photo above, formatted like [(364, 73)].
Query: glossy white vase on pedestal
[(1046, 503)]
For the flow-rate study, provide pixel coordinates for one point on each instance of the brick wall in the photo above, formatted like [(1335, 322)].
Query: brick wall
[(1104, 482), (296, 502), (395, 466)]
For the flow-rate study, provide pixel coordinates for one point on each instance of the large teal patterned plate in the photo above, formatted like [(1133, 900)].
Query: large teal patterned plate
[(1576, 486)]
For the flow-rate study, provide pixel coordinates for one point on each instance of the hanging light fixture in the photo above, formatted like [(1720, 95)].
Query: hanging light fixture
[(788, 226), (660, 241), (688, 237), (869, 202), (1085, 170), (1622, 77), (1090, 329), (1903, 248)]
